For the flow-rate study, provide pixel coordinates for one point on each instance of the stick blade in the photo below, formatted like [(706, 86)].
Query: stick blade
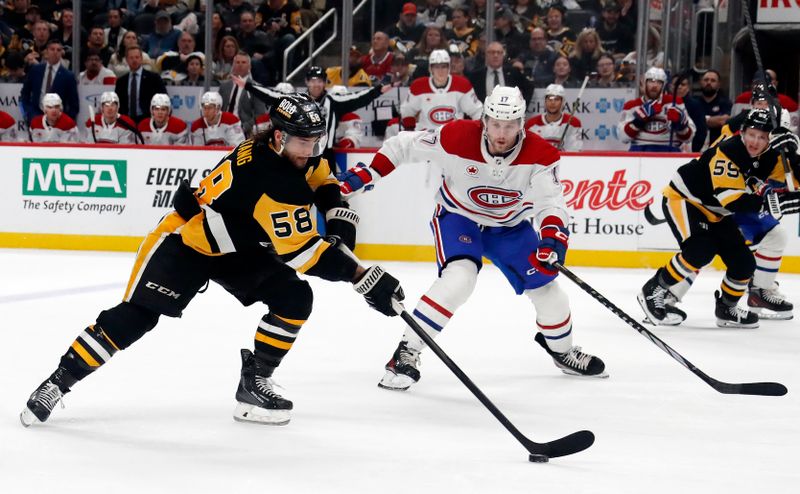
[(567, 445), (756, 389)]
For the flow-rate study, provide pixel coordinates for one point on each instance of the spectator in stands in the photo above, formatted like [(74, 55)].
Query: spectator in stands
[(238, 101), (14, 68), (536, 63), (477, 12), (108, 126), (562, 73), (223, 60), (216, 127), (64, 33), (15, 17), (786, 102), (54, 125), (136, 88), (497, 73), (559, 37), (255, 42), (606, 75), (114, 32), (526, 14), (232, 10), (457, 64), (195, 71), (435, 13), (219, 30), (8, 128), (162, 128), (49, 77), (626, 73), (506, 32), (655, 57), (585, 54), (176, 60), (715, 107), (432, 39), (404, 35), (628, 15), (41, 35), (617, 39), (463, 34), (557, 127), (378, 61), (164, 38), (95, 72), (97, 42), (357, 75), (32, 16), (401, 71), (118, 63), (282, 22)]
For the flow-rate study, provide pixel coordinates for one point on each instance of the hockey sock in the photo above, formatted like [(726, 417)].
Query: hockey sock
[(274, 338), (766, 269), (91, 349), (676, 270), (732, 290), (553, 318), (681, 288)]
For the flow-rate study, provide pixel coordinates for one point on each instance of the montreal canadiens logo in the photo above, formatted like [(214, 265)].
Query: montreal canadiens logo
[(442, 114), (494, 198)]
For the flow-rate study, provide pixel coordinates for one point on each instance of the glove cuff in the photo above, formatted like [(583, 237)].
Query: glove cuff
[(343, 214), (368, 280)]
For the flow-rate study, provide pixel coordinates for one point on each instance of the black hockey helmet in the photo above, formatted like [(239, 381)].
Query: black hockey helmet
[(758, 119), (762, 91), (298, 115), (316, 72)]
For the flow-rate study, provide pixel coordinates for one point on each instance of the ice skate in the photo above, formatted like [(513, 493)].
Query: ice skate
[(769, 303), (45, 398), (675, 316), (575, 362), (257, 400), (402, 370), (729, 315), (653, 303)]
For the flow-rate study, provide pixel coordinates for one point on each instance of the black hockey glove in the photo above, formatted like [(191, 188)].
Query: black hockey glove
[(379, 288), (342, 222), (782, 139), (184, 201), (780, 203)]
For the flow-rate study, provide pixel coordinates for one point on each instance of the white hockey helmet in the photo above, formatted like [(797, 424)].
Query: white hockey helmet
[(554, 90), (338, 89), (51, 100), (161, 100), (438, 56), (284, 87), (505, 103), (211, 98), (655, 74), (109, 97)]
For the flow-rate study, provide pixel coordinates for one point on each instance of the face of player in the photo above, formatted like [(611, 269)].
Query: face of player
[(652, 89), (160, 114), (756, 141), (761, 104), (315, 87), (553, 104), (110, 111), (52, 113), (440, 71), (211, 113), (298, 149), (501, 134)]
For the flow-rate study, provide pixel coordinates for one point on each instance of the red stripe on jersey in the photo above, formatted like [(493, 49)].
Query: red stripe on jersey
[(382, 165), (441, 310)]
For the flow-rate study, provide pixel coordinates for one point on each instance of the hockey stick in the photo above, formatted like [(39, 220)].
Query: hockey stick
[(571, 114), (677, 83), (651, 218), (760, 389), (539, 452), (773, 114)]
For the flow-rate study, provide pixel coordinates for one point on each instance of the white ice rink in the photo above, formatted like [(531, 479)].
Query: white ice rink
[(157, 418)]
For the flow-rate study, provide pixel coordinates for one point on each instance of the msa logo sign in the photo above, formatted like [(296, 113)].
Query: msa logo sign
[(77, 178)]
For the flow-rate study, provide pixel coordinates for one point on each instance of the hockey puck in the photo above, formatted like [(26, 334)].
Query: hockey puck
[(538, 458)]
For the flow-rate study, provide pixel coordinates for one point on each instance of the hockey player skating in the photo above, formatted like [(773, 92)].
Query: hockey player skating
[(162, 128), (495, 177), (248, 227), (699, 204), (54, 125), (551, 124), (653, 122), (108, 126), (216, 127)]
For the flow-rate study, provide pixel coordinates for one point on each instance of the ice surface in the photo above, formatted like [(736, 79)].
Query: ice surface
[(158, 417)]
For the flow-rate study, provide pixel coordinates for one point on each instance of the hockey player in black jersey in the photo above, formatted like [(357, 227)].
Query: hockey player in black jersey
[(699, 204), (249, 228)]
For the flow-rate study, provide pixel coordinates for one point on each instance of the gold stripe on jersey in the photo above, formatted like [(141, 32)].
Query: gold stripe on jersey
[(169, 224), (677, 210), (778, 174), (672, 193), (320, 175)]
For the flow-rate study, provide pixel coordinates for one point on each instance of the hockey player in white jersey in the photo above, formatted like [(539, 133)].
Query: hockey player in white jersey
[(653, 122), (441, 97), (109, 126), (551, 124), (216, 127), (495, 176), (162, 128), (54, 125)]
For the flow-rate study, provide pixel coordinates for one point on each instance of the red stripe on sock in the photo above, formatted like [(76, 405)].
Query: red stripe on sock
[(555, 326), (767, 258), (438, 307)]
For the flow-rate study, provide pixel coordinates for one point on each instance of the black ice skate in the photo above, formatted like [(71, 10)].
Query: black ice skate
[(44, 399), (658, 304), (769, 303), (402, 370), (257, 400), (574, 362), (729, 315)]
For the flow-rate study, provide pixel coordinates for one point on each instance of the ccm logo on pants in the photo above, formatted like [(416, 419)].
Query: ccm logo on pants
[(162, 289)]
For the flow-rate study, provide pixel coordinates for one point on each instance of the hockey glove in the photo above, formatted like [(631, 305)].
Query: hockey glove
[(784, 140), (780, 203), (379, 288), (355, 179), (762, 188), (184, 201), (552, 247), (342, 222), (677, 117)]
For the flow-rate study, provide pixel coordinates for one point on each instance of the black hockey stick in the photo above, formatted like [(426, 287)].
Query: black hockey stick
[(539, 452), (651, 218), (572, 113), (760, 389), (773, 114)]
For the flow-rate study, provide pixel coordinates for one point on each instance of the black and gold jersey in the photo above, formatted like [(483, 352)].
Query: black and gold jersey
[(255, 198), (715, 183)]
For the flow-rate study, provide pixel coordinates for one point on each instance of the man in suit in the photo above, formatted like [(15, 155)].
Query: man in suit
[(136, 88), (497, 73), (238, 101), (49, 77)]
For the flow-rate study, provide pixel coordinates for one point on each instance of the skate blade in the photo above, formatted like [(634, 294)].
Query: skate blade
[(730, 324), (27, 417), (771, 315), (245, 412), (570, 372), (395, 382)]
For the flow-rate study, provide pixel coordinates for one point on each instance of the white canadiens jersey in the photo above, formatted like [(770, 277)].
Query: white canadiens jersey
[(227, 132), (552, 131), (174, 132), (8, 128), (434, 107), (120, 132), (64, 130), (489, 190), (656, 130)]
